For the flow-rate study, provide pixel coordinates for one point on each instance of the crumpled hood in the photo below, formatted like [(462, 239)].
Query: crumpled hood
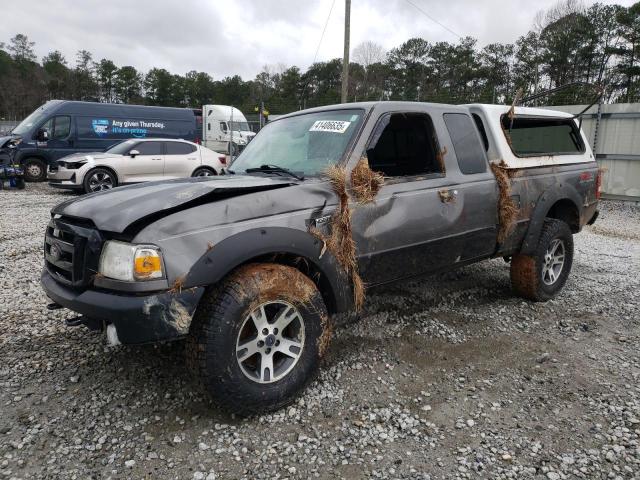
[(116, 209), (77, 157), (5, 139)]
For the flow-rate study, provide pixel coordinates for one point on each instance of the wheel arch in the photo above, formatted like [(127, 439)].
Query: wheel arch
[(560, 202), (204, 167), (295, 248)]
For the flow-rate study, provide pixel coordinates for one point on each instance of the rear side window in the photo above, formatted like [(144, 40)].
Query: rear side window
[(529, 136), (149, 148), (466, 143), (179, 148)]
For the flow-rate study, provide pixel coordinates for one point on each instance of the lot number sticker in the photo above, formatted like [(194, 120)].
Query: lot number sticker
[(332, 126)]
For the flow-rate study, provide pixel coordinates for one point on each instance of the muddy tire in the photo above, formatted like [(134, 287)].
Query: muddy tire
[(257, 339), (541, 276), (35, 170)]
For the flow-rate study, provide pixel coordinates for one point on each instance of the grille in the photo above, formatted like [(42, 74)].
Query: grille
[(71, 251)]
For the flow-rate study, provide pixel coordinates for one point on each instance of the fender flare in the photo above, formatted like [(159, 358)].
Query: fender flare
[(243, 247), (544, 203)]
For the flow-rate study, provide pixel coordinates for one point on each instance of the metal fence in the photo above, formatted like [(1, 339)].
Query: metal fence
[(614, 134), (8, 125)]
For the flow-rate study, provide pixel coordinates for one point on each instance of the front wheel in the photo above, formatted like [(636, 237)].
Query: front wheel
[(98, 180), (35, 170), (541, 276), (257, 340)]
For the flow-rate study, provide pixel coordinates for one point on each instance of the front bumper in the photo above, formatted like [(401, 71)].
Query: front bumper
[(137, 319), (65, 178)]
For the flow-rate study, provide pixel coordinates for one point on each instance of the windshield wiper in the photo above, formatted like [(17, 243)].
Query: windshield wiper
[(275, 169)]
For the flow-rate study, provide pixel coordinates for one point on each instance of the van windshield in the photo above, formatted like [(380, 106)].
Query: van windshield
[(307, 143), (25, 126), (122, 148)]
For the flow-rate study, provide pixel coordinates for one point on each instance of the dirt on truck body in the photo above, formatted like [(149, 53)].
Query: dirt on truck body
[(320, 206)]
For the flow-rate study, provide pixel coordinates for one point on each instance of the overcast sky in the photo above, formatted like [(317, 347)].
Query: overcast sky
[(225, 37)]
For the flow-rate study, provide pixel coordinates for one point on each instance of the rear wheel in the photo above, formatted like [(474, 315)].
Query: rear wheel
[(257, 340), (541, 276), (35, 170), (98, 180), (204, 172)]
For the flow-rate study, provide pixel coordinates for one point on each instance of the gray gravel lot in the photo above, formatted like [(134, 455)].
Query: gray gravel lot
[(446, 377)]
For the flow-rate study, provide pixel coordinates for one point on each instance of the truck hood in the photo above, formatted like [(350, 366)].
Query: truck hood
[(117, 209)]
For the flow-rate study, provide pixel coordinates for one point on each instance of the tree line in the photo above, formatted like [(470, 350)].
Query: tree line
[(567, 43)]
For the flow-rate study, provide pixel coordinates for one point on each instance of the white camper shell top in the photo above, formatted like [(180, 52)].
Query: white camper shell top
[(500, 150)]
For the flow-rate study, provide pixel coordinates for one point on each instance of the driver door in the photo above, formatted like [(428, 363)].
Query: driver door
[(146, 166), (61, 136)]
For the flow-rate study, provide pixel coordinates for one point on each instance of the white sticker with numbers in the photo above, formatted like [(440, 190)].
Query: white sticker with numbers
[(331, 126)]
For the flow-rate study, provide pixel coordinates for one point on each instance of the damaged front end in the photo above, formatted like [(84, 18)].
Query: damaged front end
[(95, 267)]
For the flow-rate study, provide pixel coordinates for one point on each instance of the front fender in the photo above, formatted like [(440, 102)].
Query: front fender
[(544, 203), (246, 246)]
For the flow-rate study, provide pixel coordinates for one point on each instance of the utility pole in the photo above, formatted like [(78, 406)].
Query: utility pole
[(345, 57)]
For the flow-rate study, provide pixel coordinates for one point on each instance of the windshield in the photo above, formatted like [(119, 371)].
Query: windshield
[(239, 126), (307, 143), (28, 123), (122, 148)]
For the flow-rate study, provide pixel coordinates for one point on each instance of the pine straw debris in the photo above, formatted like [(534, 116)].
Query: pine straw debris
[(365, 184), (507, 210)]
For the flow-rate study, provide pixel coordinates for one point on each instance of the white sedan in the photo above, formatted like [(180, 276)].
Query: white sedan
[(134, 161)]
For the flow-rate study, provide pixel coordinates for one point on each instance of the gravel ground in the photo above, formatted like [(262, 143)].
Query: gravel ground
[(446, 377)]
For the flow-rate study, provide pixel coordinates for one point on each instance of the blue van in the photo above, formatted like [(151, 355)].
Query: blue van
[(61, 127)]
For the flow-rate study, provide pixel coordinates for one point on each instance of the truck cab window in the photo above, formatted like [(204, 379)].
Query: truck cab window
[(223, 127), (466, 143), (405, 144)]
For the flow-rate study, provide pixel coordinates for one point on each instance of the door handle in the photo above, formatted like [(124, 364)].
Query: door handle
[(156, 159), (448, 196)]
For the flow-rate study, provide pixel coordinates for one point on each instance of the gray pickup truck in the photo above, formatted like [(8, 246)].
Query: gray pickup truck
[(320, 206)]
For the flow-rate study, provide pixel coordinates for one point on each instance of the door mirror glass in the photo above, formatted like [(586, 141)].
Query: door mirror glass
[(133, 153)]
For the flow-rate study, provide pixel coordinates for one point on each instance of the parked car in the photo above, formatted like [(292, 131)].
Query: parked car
[(249, 266), (135, 161), (59, 128)]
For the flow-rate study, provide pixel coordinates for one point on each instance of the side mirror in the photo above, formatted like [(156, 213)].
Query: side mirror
[(133, 153), (43, 135)]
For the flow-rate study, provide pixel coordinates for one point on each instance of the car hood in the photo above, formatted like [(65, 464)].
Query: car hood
[(87, 156), (121, 207)]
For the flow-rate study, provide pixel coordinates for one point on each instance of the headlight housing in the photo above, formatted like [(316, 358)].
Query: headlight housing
[(128, 262)]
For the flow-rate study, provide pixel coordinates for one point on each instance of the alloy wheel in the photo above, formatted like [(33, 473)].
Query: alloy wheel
[(270, 342)]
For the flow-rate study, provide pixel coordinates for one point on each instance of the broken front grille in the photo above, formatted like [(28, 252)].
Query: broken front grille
[(71, 250)]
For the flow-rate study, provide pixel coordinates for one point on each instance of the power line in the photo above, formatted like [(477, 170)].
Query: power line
[(323, 30), (432, 19)]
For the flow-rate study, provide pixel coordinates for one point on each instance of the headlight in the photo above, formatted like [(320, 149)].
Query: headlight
[(124, 261), (72, 165)]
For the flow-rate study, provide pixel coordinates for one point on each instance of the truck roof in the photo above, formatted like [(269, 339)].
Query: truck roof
[(499, 148)]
